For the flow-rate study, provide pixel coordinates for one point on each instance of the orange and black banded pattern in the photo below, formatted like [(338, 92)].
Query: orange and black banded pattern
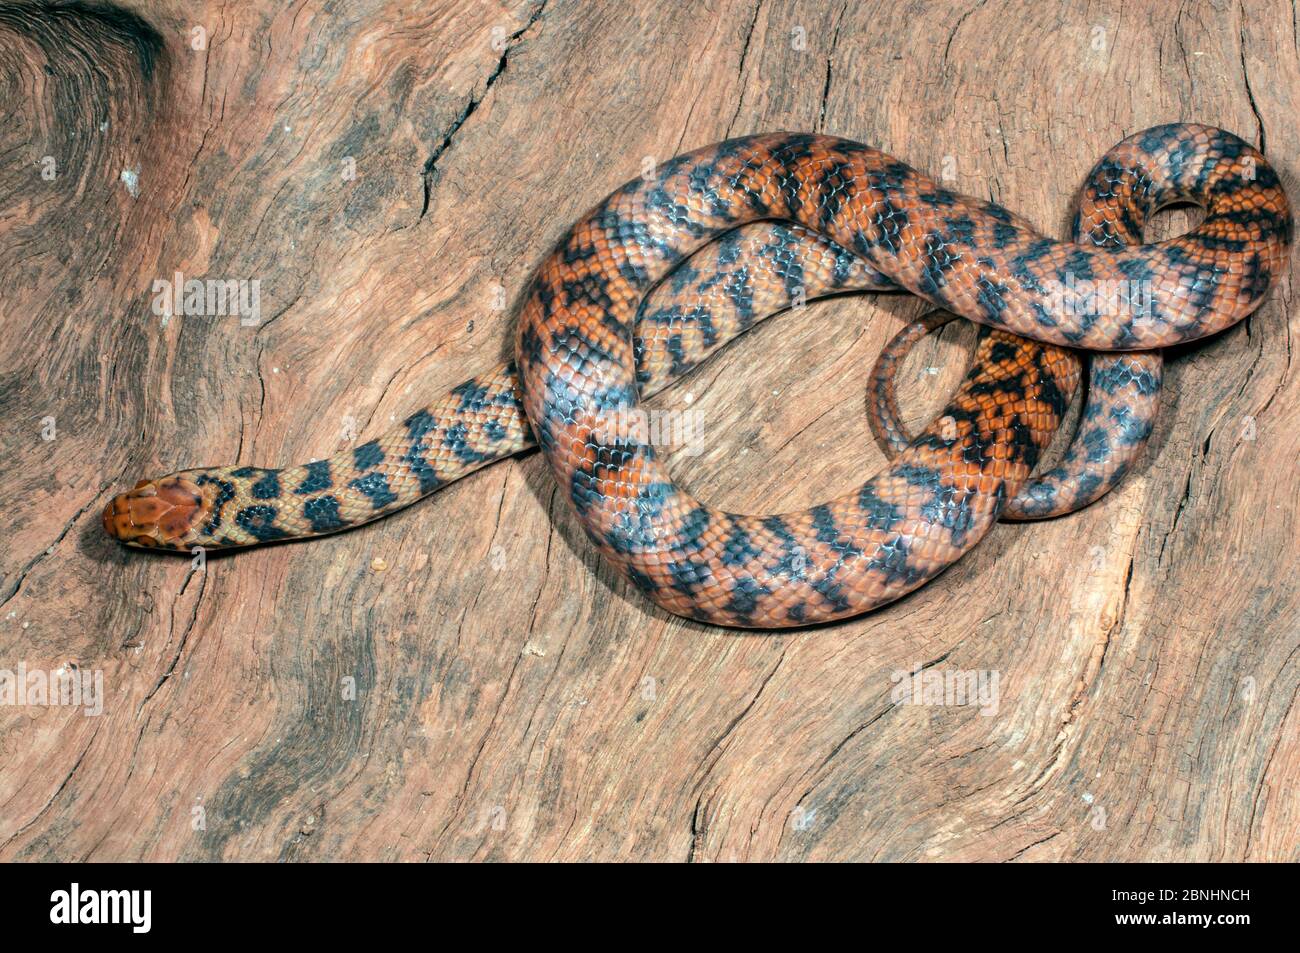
[(939, 497), (591, 341), (1129, 184), (1119, 413)]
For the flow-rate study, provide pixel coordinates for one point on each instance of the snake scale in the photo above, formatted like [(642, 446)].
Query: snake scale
[(1118, 197), (675, 264)]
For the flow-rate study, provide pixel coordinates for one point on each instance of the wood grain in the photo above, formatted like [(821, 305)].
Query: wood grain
[(513, 699)]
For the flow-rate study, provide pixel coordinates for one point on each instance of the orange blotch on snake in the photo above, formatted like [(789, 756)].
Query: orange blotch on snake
[(156, 513)]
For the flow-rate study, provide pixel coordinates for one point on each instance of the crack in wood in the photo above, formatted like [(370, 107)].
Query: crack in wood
[(740, 69), (428, 173), (1250, 93)]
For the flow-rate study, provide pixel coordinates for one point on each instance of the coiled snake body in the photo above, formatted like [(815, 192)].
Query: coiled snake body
[(598, 329)]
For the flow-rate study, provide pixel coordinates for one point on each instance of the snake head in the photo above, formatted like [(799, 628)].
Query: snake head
[(157, 514)]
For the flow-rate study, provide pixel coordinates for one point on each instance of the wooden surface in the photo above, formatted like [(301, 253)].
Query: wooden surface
[(513, 699)]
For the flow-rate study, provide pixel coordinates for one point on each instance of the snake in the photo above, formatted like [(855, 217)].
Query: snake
[(675, 263), (1118, 416)]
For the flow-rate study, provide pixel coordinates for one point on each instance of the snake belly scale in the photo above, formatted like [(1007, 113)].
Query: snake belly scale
[(577, 379)]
